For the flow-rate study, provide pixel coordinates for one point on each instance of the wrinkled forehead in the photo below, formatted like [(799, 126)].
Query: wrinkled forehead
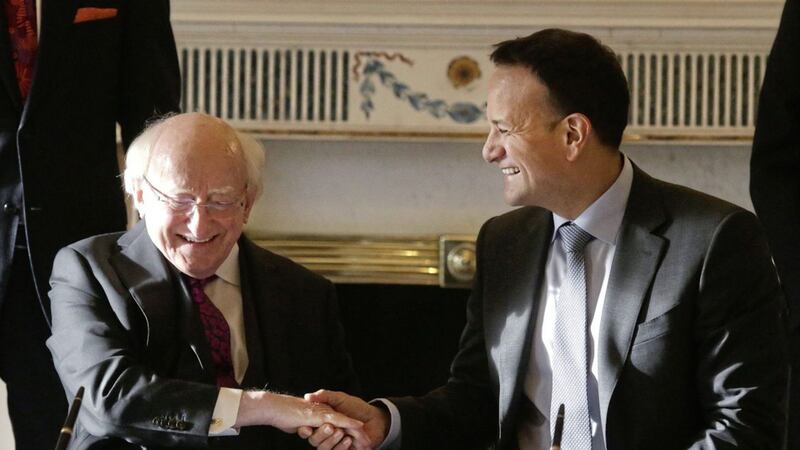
[(195, 153)]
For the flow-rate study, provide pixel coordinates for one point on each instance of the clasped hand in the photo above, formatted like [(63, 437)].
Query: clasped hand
[(293, 414), (330, 436)]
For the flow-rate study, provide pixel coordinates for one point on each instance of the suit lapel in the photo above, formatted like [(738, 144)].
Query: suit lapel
[(255, 375), (144, 272), (266, 319), (163, 299), (521, 287), (638, 254)]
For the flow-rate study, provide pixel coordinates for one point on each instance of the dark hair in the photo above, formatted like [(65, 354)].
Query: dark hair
[(581, 74)]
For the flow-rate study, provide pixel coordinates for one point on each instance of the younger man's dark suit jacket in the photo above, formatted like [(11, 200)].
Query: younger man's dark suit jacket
[(125, 328), (691, 343)]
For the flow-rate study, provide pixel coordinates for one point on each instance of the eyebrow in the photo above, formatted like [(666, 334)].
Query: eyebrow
[(498, 122), (222, 190), (211, 192)]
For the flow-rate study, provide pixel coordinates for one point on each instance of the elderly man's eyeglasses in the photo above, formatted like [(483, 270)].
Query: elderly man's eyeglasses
[(188, 205)]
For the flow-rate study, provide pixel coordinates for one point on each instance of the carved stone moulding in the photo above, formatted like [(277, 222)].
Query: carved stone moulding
[(418, 69)]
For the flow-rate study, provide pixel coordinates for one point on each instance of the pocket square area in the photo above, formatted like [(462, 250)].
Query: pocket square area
[(88, 14)]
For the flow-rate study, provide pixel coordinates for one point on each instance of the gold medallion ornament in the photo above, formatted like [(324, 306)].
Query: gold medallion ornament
[(463, 71)]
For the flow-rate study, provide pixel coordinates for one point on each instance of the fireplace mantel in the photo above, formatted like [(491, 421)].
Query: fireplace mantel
[(735, 14), (417, 69)]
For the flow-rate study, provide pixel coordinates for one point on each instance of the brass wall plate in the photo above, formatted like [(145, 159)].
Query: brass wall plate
[(446, 261)]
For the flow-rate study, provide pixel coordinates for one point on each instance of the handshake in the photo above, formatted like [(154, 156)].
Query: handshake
[(328, 420)]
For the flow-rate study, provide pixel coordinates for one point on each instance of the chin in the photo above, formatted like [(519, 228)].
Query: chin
[(200, 273), (513, 200), (198, 270)]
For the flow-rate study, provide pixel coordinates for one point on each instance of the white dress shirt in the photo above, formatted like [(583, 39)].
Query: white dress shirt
[(602, 219), (225, 293)]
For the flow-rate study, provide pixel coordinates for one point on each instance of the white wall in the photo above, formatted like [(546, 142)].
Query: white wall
[(6, 436), (401, 188)]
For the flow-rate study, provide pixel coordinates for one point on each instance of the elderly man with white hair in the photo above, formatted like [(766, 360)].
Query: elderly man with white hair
[(182, 331)]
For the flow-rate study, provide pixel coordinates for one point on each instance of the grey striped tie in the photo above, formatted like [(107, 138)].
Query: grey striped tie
[(569, 359)]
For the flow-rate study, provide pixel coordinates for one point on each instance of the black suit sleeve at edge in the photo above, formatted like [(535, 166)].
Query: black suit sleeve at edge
[(775, 161), (741, 356)]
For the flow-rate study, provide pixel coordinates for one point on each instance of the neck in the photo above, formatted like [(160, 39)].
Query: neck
[(594, 177)]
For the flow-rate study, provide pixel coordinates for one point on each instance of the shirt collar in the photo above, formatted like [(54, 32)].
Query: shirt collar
[(603, 218), (229, 269)]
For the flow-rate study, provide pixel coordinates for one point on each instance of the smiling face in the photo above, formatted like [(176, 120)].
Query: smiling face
[(195, 158), (527, 138)]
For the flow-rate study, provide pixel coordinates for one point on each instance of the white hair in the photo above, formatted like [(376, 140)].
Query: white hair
[(253, 154), (137, 159)]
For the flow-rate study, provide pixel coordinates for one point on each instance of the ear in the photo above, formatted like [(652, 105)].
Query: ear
[(138, 201), (578, 129), (249, 201)]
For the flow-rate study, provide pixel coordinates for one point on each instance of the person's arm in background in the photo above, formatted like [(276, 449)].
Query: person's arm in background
[(150, 80), (775, 161)]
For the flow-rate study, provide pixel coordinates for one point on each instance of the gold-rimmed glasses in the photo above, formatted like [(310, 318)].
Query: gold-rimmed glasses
[(188, 206)]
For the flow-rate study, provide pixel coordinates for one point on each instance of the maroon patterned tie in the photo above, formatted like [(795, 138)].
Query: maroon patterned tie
[(217, 332), (21, 15)]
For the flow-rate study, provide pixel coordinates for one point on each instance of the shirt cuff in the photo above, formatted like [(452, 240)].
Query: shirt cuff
[(225, 412), (393, 438)]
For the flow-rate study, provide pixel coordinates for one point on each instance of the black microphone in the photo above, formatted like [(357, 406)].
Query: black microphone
[(72, 417), (558, 429)]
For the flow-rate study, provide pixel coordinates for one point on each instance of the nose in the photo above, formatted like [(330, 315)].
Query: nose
[(493, 149), (198, 221)]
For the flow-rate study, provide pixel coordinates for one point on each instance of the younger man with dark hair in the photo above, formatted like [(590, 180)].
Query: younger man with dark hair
[(651, 311)]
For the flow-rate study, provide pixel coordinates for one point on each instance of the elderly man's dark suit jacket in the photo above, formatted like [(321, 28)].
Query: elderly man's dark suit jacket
[(774, 179), (126, 329), (88, 77), (691, 351)]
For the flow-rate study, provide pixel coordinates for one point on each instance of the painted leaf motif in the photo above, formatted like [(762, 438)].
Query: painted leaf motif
[(438, 108), (367, 88), (387, 78), (460, 112), (418, 100), (464, 112), (367, 106), (372, 66), (399, 89)]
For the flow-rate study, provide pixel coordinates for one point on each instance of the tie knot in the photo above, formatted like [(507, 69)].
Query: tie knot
[(200, 283), (573, 237)]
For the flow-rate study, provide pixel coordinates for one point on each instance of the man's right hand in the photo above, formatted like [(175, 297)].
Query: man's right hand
[(288, 413), (376, 420)]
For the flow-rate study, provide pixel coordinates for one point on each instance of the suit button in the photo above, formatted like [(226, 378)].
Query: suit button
[(10, 209)]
